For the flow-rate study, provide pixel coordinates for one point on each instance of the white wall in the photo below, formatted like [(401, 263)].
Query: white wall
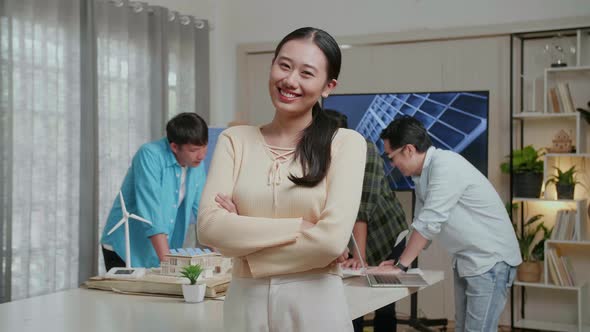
[(246, 21)]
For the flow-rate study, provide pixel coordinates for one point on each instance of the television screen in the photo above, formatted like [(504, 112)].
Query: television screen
[(456, 121)]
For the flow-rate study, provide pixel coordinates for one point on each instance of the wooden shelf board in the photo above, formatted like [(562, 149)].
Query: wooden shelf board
[(530, 199), (568, 69), (541, 116), (569, 242), (548, 286), (547, 326), (571, 155)]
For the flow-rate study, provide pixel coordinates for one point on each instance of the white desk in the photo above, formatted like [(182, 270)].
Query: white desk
[(100, 311)]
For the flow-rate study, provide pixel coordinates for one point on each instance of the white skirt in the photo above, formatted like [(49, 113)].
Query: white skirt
[(300, 302)]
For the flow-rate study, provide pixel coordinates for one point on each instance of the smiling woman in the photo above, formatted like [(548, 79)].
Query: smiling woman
[(276, 201), (306, 65)]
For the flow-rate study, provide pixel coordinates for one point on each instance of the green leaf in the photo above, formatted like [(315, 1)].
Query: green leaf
[(525, 160), (192, 272), (533, 219), (567, 177), (529, 249)]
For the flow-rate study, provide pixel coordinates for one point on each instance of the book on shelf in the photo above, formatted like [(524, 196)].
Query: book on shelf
[(565, 226), (554, 101), (560, 268), (567, 262), (552, 271), (557, 226), (565, 96), (553, 265)]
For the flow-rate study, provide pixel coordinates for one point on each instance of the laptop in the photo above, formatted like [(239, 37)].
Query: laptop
[(403, 279)]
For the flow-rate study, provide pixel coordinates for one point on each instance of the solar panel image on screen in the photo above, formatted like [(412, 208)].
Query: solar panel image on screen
[(456, 121)]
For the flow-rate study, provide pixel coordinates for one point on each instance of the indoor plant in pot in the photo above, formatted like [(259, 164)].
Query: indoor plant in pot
[(565, 182), (193, 292), (527, 169), (531, 242), (538, 251)]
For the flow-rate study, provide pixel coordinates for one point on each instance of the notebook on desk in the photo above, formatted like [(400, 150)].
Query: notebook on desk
[(403, 279)]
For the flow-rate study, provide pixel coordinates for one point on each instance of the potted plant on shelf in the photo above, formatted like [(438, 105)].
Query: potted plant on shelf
[(530, 269), (193, 292), (538, 251), (565, 182), (531, 241), (527, 169)]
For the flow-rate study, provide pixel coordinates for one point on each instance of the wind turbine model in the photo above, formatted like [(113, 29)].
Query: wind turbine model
[(128, 271)]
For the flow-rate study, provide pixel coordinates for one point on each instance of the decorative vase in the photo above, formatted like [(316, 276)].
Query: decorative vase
[(527, 184), (529, 272), (194, 293), (565, 191)]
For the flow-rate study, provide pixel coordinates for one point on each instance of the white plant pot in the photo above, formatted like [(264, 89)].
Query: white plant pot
[(194, 293)]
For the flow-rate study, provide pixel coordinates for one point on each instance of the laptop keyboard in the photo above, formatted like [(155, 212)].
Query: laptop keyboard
[(386, 279)]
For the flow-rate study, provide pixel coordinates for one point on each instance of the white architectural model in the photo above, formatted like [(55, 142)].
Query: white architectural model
[(212, 263)]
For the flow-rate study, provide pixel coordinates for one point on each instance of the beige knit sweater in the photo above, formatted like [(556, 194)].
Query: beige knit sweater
[(265, 237)]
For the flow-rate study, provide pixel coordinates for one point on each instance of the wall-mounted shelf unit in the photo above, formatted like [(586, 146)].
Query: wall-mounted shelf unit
[(543, 107)]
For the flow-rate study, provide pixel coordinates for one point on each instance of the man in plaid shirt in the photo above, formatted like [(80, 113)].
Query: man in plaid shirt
[(379, 221)]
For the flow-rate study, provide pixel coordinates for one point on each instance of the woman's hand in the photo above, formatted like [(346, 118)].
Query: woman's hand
[(226, 202)]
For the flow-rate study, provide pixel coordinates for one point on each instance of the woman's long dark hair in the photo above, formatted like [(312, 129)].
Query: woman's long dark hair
[(314, 148)]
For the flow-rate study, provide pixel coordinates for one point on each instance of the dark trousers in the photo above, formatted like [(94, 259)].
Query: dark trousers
[(385, 320), (111, 259)]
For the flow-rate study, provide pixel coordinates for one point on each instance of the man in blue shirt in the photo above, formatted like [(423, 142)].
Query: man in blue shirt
[(459, 206), (163, 185)]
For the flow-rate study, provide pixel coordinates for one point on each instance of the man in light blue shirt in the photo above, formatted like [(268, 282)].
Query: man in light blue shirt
[(459, 206), (163, 185)]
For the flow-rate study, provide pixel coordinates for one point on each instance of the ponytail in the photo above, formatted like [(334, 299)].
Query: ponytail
[(314, 148)]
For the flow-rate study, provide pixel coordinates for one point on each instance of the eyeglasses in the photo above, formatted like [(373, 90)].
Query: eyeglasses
[(393, 153)]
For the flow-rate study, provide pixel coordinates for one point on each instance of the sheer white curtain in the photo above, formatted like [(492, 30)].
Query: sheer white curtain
[(188, 71), (39, 114), (51, 208), (124, 98)]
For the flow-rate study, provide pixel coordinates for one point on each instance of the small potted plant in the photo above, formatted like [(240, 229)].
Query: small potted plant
[(193, 292), (531, 241), (565, 182), (530, 269), (538, 252), (527, 169)]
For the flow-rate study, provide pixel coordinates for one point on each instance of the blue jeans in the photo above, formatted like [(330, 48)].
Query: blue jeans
[(480, 299)]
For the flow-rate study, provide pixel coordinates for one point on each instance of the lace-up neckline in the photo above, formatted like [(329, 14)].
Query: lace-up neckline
[(279, 156)]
